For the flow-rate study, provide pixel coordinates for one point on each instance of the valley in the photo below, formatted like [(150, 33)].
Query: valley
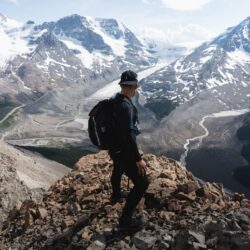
[(195, 142), (215, 154), (190, 105)]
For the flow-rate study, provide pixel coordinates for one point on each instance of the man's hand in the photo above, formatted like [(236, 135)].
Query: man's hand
[(142, 167)]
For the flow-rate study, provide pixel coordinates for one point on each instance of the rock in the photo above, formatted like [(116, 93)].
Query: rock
[(163, 245), (167, 216), (143, 240), (188, 187), (200, 238), (187, 210), (174, 206), (96, 245), (199, 246), (107, 230), (186, 197), (76, 210), (238, 197), (67, 222), (203, 192), (42, 213), (86, 235), (167, 238)]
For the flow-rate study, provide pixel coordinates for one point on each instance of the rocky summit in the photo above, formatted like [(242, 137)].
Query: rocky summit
[(180, 212)]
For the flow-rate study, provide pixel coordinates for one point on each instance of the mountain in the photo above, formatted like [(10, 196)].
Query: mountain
[(49, 69), (24, 175), (200, 101), (74, 50), (222, 61), (180, 213)]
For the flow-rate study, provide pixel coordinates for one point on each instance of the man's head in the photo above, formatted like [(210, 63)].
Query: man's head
[(129, 82), (128, 77)]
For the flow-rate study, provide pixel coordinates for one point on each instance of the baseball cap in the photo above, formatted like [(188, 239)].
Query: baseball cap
[(128, 77)]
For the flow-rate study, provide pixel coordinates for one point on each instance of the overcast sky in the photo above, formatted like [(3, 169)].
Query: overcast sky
[(179, 21)]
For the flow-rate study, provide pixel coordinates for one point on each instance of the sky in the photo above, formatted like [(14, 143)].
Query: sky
[(173, 21)]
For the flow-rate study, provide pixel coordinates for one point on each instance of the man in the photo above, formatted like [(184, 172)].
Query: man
[(125, 153)]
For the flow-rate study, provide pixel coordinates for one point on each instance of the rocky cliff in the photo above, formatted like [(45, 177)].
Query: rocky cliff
[(181, 213), (23, 176)]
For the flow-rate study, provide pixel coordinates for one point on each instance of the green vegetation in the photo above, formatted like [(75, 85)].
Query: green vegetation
[(242, 175), (8, 122), (161, 107), (67, 156), (5, 108)]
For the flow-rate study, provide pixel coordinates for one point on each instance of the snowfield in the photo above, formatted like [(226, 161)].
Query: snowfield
[(110, 89)]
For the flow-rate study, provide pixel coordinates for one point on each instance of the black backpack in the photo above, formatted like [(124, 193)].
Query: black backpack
[(101, 124)]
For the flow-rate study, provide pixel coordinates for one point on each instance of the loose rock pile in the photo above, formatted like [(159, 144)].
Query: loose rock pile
[(75, 213)]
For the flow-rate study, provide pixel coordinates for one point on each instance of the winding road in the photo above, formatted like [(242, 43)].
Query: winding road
[(11, 112), (7, 116)]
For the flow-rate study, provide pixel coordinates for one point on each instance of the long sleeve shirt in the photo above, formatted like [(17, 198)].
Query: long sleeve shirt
[(126, 118)]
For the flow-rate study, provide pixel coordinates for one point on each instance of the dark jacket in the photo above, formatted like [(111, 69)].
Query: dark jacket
[(126, 120)]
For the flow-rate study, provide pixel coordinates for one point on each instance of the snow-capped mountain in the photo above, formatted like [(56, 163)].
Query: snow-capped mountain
[(191, 96), (224, 60), (200, 102), (236, 37), (104, 39), (12, 42), (51, 69), (74, 50)]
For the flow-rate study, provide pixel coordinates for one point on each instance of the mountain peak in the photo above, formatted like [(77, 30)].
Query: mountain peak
[(72, 17), (247, 20), (8, 22), (234, 38), (2, 17)]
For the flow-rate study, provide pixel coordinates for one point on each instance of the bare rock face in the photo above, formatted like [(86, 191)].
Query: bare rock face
[(12, 190), (180, 213), (24, 176)]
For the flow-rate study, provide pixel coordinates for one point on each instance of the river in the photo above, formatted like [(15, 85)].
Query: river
[(195, 142)]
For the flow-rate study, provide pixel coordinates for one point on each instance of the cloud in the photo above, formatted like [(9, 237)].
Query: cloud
[(183, 34), (189, 32), (185, 5), (154, 35)]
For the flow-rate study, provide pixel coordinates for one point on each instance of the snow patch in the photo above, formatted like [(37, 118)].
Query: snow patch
[(239, 56), (205, 59), (50, 60), (113, 87), (14, 41), (88, 59), (210, 49), (117, 45)]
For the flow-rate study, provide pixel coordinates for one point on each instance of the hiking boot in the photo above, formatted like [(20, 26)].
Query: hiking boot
[(130, 224), (116, 197)]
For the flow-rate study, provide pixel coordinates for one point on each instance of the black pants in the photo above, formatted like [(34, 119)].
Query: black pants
[(124, 164)]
